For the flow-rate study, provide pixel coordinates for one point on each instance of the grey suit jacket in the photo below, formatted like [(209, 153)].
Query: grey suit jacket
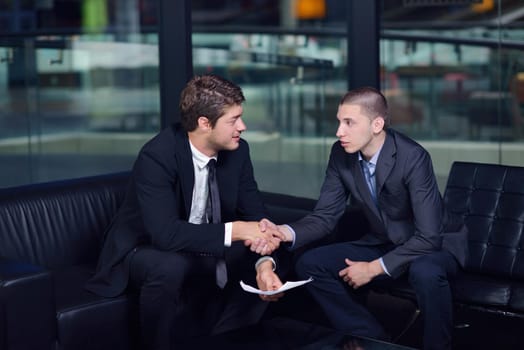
[(411, 214)]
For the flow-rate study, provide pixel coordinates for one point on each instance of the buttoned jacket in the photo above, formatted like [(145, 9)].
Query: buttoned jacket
[(410, 214), (157, 205)]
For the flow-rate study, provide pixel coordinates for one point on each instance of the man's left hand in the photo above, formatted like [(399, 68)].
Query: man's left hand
[(267, 279), (359, 273)]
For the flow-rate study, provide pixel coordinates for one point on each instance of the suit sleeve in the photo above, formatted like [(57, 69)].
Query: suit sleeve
[(159, 196), (330, 205), (426, 205)]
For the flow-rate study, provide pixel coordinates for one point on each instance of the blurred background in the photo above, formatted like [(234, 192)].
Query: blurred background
[(81, 81)]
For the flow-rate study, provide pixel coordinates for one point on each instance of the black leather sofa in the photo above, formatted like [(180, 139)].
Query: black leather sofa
[(51, 234), (50, 238), (490, 198)]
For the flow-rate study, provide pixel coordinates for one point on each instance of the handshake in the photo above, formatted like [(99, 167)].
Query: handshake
[(262, 237)]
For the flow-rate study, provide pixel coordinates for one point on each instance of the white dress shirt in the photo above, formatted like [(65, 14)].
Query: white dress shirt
[(201, 192)]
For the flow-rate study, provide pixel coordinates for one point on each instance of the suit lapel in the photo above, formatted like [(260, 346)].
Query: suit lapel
[(184, 160), (385, 162), (222, 166)]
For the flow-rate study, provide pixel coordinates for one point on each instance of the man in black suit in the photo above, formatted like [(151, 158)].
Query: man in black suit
[(391, 177), (163, 238)]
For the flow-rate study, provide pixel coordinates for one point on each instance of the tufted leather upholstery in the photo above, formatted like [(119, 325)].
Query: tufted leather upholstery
[(51, 235), (491, 200)]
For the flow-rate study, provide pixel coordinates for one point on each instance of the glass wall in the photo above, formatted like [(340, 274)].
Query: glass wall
[(79, 82), (292, 71), (453, 76), (79, 87), (288, 80)]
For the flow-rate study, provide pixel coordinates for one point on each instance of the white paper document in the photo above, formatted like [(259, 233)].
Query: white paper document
[(286, 286)]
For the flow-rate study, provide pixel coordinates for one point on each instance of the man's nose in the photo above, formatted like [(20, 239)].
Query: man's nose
[(339, 132), (241, 125)]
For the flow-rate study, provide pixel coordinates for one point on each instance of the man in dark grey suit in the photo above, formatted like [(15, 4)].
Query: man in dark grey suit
[(391, 177), (170, 234)]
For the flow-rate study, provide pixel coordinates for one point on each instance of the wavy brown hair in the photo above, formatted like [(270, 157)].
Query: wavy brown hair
[(207, 96)]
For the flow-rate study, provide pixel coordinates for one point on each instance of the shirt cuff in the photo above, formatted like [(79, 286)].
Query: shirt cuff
[(228, 233), (265, 258), (293, 235), (384, 266)]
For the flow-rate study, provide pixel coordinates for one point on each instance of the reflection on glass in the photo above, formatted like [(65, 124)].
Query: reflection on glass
[(453, 77), (79, 88), (79, 82), (285, 79), (444, 91)]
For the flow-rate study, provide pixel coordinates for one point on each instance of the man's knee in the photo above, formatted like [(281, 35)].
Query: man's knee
[(306, 263), (165, 274), (169, 271), (427, 273)]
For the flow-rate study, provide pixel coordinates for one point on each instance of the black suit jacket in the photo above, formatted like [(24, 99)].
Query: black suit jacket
[(157, 205), (411, 215)]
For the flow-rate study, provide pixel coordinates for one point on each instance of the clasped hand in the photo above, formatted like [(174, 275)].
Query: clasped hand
[(262, 246), (262, 237)]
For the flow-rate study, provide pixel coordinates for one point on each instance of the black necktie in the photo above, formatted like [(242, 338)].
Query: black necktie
[(213, 216)]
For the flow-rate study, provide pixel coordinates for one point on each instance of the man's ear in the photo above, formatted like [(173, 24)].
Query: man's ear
[(203, 123), (378, 124)]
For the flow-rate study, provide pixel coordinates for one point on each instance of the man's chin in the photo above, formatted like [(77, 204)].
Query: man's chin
[(350, 149), (232, 146)]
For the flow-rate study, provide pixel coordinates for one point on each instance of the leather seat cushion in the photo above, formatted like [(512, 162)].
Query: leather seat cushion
[(473, 289), (85, 320), (483, 290), (516, 301)]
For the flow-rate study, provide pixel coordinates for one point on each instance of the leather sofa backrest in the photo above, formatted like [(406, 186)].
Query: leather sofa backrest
[(62, 223), (283, 209), (59, 223), (491, 200)]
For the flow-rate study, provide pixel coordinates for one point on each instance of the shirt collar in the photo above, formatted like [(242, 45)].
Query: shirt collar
[(373, 160), (200, 158)]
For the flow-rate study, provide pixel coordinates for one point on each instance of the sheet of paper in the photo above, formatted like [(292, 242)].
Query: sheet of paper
[(286, 286)]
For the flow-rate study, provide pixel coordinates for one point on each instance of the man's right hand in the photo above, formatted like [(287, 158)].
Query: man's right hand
[(265, 225), (267, 240)]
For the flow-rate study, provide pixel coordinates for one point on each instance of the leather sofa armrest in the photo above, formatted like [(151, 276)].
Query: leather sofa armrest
[(27, 306)]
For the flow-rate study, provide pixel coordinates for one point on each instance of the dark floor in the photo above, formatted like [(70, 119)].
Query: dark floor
[(473, 329)]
